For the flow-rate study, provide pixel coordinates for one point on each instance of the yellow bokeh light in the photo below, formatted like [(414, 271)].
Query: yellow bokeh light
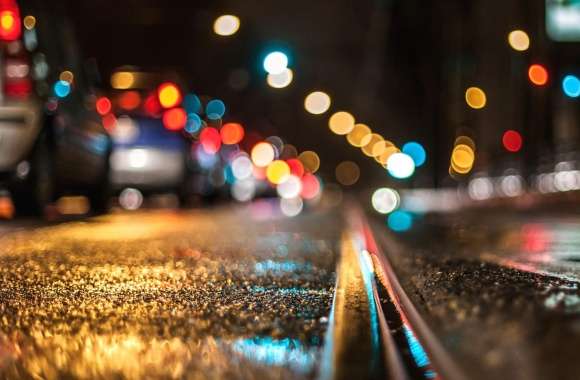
[(358, 136), (475, 97), (280, 80), (310, 161), (317, 102), (122, 80), (462, 159), (519, 40), (169, 96), (29, 22), (384, 157), (262, 154), (66, 76), (347, 173), (277, 172), (226, 25), (7, 20), (341, 123), (380, 147), (370, 144)]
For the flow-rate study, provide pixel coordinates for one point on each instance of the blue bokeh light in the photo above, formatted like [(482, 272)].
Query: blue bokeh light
[(215, 109), (400, 221), (416, 151), (193, 124), (62, 89), (571, 86), (191, 103)]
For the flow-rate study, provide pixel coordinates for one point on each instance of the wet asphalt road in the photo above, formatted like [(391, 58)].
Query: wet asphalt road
[(499, 289), (199, 294)]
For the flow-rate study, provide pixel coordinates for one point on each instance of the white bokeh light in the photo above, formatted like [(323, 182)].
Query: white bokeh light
[(385, 200), (400, 165), (275, 62)]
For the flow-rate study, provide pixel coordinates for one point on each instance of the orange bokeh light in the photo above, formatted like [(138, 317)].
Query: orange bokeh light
[(129, 100), (174, 119), (232, 133), (538, 75)]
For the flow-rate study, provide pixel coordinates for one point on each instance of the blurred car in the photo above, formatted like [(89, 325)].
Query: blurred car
[(147, 154), (50, 141)]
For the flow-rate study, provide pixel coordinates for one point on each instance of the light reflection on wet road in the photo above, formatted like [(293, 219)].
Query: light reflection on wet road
[(500, 290), (167, 295)]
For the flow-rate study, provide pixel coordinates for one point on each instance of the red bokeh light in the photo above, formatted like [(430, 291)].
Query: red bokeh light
[(296, 167), (232, 133), (512, 141), (129, 100), (174, 119), (538, 75), (310, 186), (109, 122), (152, 106), (10, 23), (103, 105), (210, 140)]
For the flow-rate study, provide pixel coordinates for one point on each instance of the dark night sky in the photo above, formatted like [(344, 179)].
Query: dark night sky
[(349, 49)]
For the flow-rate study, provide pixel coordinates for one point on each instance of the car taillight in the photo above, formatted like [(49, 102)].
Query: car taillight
[(10, 23)]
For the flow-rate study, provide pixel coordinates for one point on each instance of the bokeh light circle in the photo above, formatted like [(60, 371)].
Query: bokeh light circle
[(317, 102), (375, 140), (538, 75), (275, 62), (277, 172), (416, 151), (174, 119), (400, 165), (226, 25), (262, 154), (280, 80), (341, 123), (571, 86), (242, 167), (358, 135), (291, 207), (310, 161), (347, 173), (215, 109), (232, 133), (512, 141), (519, 40), (462, 158), (310, 186), (385, 200), (475, 98), (290, 188), (210, 140), (400, 221), (169, 95)]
